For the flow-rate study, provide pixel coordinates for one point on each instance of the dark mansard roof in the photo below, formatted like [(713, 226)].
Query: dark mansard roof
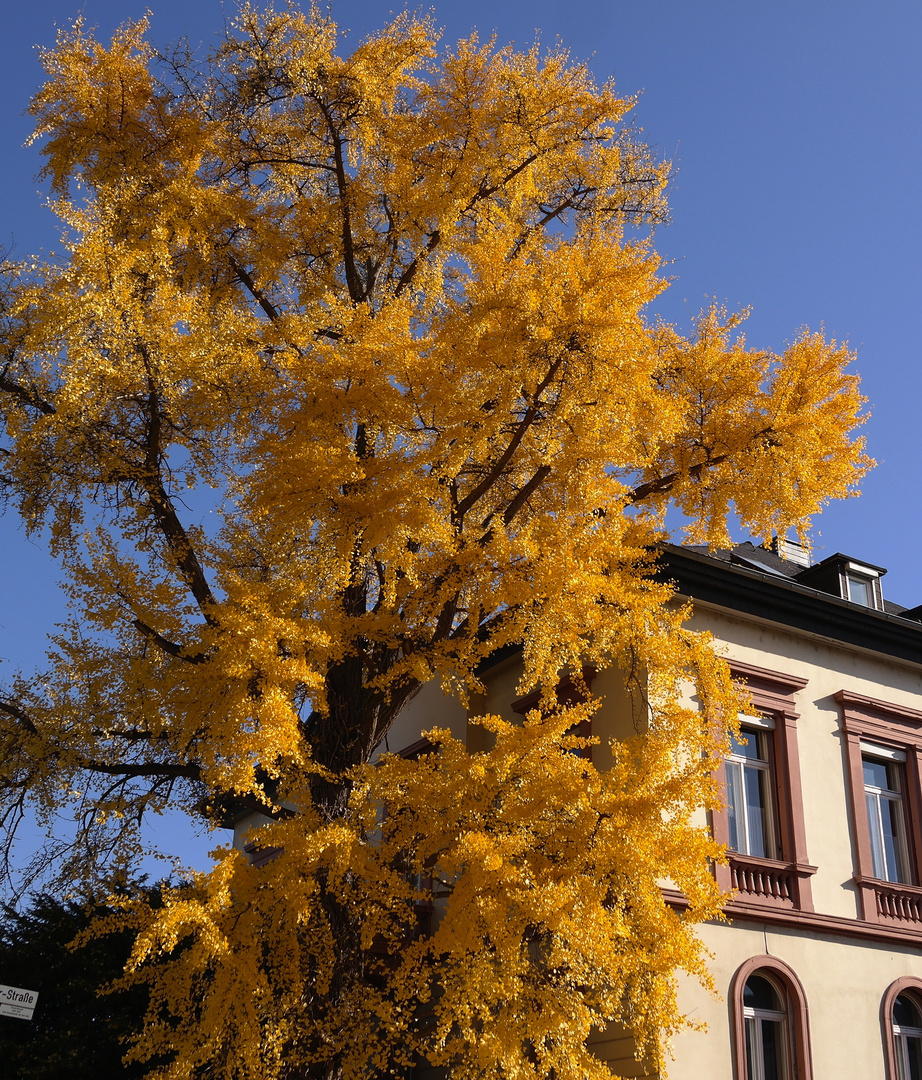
[(749, 579)]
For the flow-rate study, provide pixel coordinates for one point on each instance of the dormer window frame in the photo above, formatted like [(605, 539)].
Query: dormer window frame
[(857, 576)]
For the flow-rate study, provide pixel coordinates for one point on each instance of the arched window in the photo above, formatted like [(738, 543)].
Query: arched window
[(901, 1023), (769, 1012), (768, 1039), (907, 1038)]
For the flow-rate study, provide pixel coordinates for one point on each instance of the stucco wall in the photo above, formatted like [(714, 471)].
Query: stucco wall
[(844, 980), (430, 708)]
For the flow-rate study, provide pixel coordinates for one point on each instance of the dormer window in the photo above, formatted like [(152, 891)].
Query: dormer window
[(841, 575)]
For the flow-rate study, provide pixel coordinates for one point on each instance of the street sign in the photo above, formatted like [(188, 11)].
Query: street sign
[(17, 1002)]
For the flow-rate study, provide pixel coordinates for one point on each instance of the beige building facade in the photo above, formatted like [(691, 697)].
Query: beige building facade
[(820, 965)]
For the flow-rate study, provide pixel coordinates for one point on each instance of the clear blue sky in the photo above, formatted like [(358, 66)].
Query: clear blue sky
[(796, 131)]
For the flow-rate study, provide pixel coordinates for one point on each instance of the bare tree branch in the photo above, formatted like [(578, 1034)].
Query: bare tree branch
[(17, 714), (168, 520), (26, 396), (169, 647), (258, 295), (357, 292), (504, 459)]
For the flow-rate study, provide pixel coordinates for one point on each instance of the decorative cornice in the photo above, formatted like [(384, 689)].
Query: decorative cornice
[(780, 681), (860, 707)]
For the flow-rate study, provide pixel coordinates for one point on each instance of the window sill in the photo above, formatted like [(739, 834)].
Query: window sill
[(768, 882)]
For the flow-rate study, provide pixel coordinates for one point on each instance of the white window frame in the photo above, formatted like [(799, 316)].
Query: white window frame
[(760, 728), (901, 1037), (752, 1021), (875, 797), (858, 584)]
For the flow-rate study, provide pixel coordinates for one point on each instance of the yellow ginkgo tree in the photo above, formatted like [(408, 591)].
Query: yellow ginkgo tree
[(343, 384)]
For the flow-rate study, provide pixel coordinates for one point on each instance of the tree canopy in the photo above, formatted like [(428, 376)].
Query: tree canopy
[(343, 383)]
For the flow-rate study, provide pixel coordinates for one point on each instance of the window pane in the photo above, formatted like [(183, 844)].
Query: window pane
[(735, 809), (859, 590), (759, 993), (875, 773), (905, 1013), (750, 744), (892, 822), (877, 851), (757, 807), (886, 821), (914, 1058), (749, 804), (909, 1057), (765, 1019), (772, 1049)]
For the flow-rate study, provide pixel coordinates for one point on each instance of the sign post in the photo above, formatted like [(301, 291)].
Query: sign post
[(17, 1002)]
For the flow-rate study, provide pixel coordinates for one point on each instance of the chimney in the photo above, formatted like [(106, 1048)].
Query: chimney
[(791, 550)]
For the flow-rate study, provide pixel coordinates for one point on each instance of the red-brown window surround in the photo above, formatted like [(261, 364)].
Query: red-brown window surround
[(798, 1015), (782, 883), (901, 986), (898, 728), (568, 693)]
